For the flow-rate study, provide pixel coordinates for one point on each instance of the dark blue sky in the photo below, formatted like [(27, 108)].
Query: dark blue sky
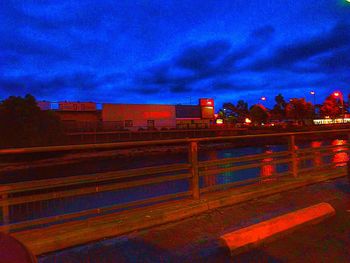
[(174, 51)]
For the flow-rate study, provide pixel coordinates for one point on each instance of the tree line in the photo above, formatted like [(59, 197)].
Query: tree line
[(23, 123), (297, 109)]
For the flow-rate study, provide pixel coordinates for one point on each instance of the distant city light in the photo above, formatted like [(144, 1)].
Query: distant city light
[(312, 92), (331, 121), (263, 98), (219, 121), (247, 120)]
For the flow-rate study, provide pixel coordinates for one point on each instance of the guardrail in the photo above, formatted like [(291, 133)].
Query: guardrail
[(43, 202)]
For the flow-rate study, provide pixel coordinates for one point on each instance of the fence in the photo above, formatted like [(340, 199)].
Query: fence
[(39, 203)]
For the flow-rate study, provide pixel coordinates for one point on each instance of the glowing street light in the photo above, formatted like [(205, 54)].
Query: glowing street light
[(339, 95), (263, 98), (313, 93)]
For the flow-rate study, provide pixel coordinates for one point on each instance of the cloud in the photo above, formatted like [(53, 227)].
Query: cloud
[(199, 62), (28, 47), (338, 60), (286, 56), (146, 90), (80, 85), (263, 33), (203, 56)]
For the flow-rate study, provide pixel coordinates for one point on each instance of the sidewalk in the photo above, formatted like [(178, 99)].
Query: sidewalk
[(195, 239)]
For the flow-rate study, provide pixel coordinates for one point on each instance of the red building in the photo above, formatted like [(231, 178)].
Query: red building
[(84, 116)]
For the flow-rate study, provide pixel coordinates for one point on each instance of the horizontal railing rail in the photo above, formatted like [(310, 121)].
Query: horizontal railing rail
[(90, 178), (105, 146), (49, 201)]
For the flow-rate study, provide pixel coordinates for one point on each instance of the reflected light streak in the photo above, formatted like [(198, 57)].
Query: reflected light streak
[(340, 157), (318, 157), (267, 170)]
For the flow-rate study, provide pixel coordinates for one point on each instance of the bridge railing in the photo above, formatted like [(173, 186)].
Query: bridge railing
[(49, 201)]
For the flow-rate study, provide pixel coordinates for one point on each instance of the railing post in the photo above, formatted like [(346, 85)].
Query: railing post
[(5, 211), (348, 164), (348, 172), (291, 144), (193, 159)]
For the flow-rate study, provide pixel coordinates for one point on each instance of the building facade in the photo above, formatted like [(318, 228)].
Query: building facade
[(84, 116)]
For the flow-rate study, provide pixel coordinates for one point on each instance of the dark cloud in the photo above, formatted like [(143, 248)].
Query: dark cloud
[(83, 83), (338, 60), (235, 86), (146, 90), (286, 56), (25, 47), (180, 89), (49, 85), (200, 62), (202, 57), (263, 33)]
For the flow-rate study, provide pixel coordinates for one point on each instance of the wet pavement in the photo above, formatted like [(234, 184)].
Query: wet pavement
[(196, 239)]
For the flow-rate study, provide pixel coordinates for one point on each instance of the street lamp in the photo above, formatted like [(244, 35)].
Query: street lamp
[(313, 93), (339, 95)]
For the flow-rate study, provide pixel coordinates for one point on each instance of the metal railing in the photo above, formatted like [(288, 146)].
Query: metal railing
[(43, 202)]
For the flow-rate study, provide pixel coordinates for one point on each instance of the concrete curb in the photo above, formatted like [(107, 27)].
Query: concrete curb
[(252, 236)]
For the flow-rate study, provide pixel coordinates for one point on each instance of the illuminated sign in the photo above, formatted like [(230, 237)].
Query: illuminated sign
[(156, 115), (206, 102)]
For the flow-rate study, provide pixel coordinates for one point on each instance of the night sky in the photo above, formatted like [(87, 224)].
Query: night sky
[(172, 52)]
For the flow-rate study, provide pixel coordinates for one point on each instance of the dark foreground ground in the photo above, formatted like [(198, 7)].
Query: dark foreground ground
[(196, 239)]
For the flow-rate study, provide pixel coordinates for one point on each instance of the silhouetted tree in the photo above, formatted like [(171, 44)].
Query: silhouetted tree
[(258, 114), (228, 112), (299, 110), (242, 111), (23, 123), (236, 112), (331, 107), (279, 110)]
